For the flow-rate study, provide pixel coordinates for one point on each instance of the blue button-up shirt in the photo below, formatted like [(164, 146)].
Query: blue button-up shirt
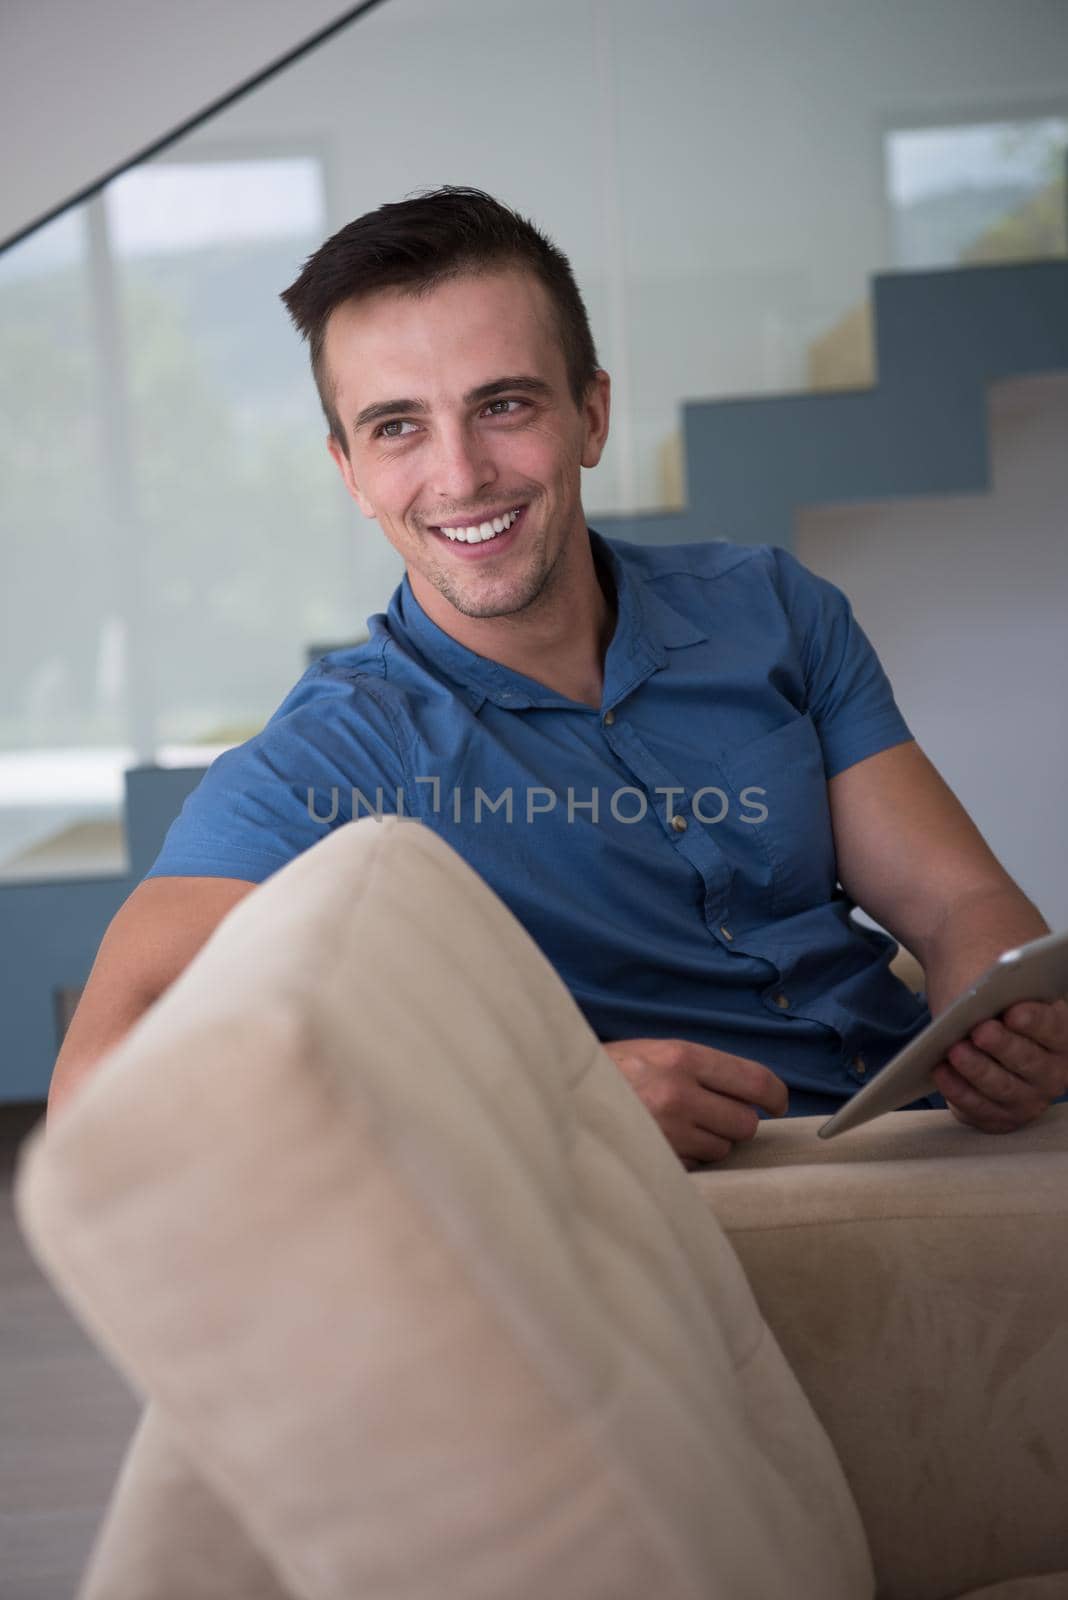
[(670, 850)]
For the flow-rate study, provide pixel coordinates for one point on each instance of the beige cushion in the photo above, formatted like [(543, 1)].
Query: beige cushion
[(925, 1262), (167, 1536), (414, 1279)]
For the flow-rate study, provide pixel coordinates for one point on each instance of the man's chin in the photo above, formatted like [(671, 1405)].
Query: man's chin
[(485, 600), (486, 609)]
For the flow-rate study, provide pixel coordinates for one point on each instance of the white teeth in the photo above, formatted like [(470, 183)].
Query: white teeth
[(484, 530)]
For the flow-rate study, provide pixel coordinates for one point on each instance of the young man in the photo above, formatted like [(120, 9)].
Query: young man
[(679, 767)]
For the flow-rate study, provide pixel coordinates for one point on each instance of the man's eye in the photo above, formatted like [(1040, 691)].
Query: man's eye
[(493, 404), (392, 428)]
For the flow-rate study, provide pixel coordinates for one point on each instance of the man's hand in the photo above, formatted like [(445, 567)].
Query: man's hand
[(1009, 1070), (702, 1099)]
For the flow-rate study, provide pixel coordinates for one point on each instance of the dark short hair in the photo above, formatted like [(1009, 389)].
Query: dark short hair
[(414, 245)]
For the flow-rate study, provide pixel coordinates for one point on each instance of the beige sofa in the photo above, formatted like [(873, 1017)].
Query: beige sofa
[(423, 1307)]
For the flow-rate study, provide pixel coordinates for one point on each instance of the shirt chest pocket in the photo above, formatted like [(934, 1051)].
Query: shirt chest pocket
[(782, 774)]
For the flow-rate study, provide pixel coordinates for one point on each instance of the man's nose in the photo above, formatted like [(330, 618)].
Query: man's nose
[(464, 466)]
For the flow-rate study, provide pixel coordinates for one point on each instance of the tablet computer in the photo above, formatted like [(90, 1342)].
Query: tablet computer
[(1035, 971)]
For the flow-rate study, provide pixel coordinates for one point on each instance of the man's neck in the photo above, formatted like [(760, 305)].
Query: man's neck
[(560, 641)]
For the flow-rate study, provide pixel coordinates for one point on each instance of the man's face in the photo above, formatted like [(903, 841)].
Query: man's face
[(459, 417)]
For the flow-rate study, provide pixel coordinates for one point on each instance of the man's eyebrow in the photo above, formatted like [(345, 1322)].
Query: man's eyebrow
[(525, 384), (520, 382), (385, 408)]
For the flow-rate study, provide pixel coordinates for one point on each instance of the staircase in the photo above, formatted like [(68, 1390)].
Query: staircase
[(941, 338)]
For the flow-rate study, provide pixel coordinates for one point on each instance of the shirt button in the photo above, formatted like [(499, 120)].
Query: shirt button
[(678, 823), (782, 1002), (726, 932), (609, 718), (860, 1066)]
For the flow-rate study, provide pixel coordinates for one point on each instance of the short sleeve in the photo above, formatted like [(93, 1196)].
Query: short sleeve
[(328, 753), (850, 699)]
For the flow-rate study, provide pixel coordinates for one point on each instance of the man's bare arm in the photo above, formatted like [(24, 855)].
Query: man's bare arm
[(151, 939), (911, 856)]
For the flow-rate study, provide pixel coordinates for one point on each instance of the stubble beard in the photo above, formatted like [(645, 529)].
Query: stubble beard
[(533, 587)]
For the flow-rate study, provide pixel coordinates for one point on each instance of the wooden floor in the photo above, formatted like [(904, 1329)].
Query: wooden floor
[(65, 1415)]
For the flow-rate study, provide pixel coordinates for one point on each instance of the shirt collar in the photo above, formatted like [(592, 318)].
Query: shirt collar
[(646, 628)]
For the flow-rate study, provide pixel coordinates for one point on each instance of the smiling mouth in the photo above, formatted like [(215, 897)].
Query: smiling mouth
[(481, 532)]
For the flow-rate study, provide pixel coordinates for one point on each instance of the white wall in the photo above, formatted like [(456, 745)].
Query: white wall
[(966, 601), (86, 83)]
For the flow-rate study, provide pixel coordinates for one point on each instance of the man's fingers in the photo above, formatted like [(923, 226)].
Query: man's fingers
[(1007, 1066), (969, 1105), (1002, 1083), (987, 1096), (743, 1080), (702, 1099), (1046, 1024), (718, 1114), (698, 1148), (1007, 1062)]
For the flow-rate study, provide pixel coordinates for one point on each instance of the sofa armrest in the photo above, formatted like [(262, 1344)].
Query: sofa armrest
[(914, 1274), (908, 970)]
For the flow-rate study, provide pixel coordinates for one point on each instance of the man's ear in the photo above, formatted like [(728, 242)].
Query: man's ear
[(344, 466), (596, 407)]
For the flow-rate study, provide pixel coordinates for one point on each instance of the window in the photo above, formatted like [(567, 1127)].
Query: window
[(978, 192), (174, 536)]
